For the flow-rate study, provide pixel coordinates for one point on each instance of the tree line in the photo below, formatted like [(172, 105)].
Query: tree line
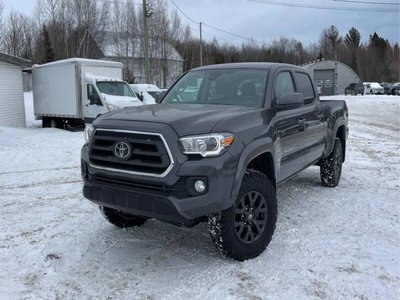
[(60, 29)]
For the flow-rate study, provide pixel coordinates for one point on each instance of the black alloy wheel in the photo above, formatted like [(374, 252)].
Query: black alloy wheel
[(251, 216)]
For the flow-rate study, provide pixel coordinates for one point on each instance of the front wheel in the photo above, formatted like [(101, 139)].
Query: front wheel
[(331, 167), (120, 219), (244, 230)]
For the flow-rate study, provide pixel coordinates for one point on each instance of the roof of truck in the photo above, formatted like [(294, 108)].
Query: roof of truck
[(81, 61), (247, 65)]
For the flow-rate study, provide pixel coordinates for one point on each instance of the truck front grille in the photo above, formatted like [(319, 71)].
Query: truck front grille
[(149, 153)]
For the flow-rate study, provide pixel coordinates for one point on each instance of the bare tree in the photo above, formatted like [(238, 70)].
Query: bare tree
[(17, 38), (123, 40), (1, 22)]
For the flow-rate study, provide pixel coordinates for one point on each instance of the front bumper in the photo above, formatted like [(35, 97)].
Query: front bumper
[(168, 198)]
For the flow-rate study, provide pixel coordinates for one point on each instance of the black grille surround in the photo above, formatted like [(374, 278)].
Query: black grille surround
[(150, 153), (178, 190)]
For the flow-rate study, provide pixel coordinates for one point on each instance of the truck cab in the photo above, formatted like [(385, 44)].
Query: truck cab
[(103, 94)]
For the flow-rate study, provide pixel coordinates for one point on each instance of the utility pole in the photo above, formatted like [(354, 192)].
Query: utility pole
[(146, 42), (201, 47)]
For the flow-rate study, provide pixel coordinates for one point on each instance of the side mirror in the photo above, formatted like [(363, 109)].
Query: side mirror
[(140, 96), (292, 100), (94, 99)]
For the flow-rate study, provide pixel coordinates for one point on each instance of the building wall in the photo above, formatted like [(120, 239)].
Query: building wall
[(12, 109), (343, 74)]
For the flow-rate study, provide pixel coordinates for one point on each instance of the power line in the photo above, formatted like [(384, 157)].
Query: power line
[(183, 13), (119, 2), (289, 4), (367, 2), (233, 34), (213, 27)]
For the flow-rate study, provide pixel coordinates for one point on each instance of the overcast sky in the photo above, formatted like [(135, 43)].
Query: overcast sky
[(264, 22)]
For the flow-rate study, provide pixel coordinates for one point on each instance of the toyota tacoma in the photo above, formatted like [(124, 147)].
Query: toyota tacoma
[(214, 150)]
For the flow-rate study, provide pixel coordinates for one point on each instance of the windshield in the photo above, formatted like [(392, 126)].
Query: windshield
[(224, 87), (115, 88)]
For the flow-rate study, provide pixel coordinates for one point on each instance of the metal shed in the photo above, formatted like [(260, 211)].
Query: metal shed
[(12, 109), (331, 76)]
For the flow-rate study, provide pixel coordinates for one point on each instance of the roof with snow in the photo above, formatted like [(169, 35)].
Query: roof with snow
[(127, 47), (15, 60)]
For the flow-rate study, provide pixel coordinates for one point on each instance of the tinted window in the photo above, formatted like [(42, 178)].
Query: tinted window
[(284, 85), (304, 86)]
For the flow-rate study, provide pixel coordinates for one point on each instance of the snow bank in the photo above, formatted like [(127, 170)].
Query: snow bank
[(29, 113)]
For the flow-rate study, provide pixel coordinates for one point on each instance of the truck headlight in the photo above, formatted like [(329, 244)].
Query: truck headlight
[(206, 145), (112, 107), (88, 132)]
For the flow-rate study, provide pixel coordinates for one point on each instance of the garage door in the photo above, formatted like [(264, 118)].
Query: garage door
[(324, 80)]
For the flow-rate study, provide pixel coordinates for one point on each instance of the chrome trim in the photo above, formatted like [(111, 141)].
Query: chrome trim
[(172, 162)]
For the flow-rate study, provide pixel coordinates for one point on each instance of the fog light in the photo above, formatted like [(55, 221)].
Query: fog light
[(200, 186)]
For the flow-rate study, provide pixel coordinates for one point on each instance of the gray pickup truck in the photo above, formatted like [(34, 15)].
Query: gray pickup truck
[(213, 151)]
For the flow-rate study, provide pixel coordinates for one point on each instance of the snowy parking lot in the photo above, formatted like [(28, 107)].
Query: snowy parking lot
[(340, 243)]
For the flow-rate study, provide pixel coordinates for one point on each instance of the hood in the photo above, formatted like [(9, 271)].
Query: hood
[(185, 119), (121, 101)]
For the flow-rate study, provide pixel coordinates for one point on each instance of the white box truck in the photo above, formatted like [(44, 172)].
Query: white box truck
[(75, 91)]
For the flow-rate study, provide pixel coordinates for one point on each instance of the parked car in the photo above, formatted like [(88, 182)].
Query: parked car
[(373, 88), (387, 87), (216, 156), (395, 89), (354, 89), (146, 92)]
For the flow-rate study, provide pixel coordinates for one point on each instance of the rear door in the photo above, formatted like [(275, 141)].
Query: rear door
[(290, 129), (314, 137)]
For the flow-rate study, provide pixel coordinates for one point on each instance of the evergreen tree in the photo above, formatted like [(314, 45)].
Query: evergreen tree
[(352, 41), (333, 35), (48, 49)]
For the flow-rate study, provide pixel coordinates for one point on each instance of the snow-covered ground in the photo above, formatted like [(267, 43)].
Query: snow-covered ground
[(340, 243)]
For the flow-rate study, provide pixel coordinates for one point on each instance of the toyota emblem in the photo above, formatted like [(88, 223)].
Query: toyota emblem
[(122, 150)]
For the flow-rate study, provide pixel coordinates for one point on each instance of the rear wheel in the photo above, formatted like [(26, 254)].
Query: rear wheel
[(244, 230), (120, 219), (331, 167)]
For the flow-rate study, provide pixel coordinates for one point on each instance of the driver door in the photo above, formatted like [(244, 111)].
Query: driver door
[(93, 104)]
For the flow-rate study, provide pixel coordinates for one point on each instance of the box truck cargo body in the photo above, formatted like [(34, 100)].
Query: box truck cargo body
[(75, 91)]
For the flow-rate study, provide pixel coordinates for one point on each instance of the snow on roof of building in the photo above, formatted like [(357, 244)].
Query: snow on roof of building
[(128, 47), (15, 60)]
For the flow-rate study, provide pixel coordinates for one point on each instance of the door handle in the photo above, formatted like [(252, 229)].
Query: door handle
[(320, 116), (302, 121)]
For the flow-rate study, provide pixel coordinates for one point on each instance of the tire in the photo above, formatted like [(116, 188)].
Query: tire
[(45, 122), (121, 219), (242, 233), (331, 167)]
